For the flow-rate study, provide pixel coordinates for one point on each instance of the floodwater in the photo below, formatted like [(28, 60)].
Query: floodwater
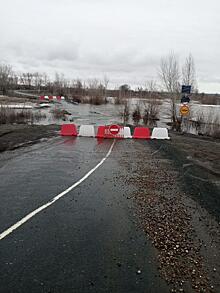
[(110, 113), (100, 114)]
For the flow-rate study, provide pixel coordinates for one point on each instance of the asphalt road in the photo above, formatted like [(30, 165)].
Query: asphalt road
[(87, 241)]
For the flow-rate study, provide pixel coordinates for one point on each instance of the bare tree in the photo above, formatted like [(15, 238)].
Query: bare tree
[(125, 111), (151, 86), (78, 84), (59, 84), (152, 89), (189, 73), (169, 75), (15, 81), (46, 80), (6, 78), (151, 104), (96, 92), (124, 90), (106, 82), (38, 80), (27, 79)]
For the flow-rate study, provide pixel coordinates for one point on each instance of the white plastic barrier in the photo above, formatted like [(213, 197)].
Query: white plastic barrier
[(46, 97), (54, 97), (62, 98), (87, 130), (160, 133), (127, 132)]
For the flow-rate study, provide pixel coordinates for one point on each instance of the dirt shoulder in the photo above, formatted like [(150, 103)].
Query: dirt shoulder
[(178, 204), (15, 136), (201, 151), (198, 161)]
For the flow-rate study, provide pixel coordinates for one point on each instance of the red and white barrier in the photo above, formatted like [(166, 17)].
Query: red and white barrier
[(141, 133), (69, 130), (87, 131), (127, 132), (114, 131), (51, 98), (160, 133)]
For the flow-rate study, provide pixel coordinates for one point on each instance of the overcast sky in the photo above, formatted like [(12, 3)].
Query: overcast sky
[(120, 38)]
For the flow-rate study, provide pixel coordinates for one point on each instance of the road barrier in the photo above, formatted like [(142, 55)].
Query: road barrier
[(51, 98), (42, 98), (87, 131), (127, 132), (114, 131), (141, 133), (68, 130), (100, 132), (160, 133)]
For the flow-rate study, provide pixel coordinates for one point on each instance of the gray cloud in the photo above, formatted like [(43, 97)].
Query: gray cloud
[(124, 39)]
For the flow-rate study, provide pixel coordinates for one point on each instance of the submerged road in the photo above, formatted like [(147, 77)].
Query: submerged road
[(81, 233)]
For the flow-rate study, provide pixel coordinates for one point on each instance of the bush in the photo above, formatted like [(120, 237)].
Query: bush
[(151, 111), (97, 100), (10, 116), (136, 115), (125, 113), (60, 114)]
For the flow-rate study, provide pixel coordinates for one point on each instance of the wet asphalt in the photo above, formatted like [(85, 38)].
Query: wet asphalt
[(88, 241)]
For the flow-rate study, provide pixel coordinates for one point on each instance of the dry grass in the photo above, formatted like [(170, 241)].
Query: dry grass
[(207, 125), (23, 116)]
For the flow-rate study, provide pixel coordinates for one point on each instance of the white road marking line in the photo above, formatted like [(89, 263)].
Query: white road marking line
[(52, 201)]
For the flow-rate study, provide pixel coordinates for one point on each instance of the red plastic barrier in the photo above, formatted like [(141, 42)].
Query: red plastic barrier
[(113, 131), (141, 133), (58, 98), (50, 97), (68, 130), (109, 131), (42, 98), (101, 132)]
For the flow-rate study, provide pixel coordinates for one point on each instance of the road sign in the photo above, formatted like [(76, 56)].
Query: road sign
[(114, 129), (185, 99), (184, 110), (186, 89)]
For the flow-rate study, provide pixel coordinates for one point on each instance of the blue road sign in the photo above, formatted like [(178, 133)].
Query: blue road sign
[(185, 99), (186, 89)]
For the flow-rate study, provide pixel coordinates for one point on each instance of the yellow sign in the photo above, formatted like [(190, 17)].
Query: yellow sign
[(184, 110)]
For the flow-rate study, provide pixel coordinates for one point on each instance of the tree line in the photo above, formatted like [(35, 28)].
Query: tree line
[(169, 75)]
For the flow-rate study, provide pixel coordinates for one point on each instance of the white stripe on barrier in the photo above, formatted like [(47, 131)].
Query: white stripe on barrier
[(87, 131), (52, 98), (127, 132), (160, 133)]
